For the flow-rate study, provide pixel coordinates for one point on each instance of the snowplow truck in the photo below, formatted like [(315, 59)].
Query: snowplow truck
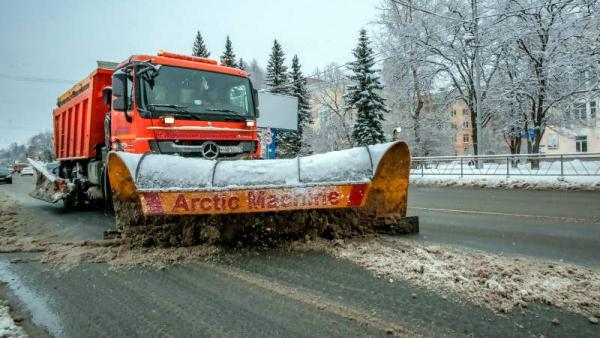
[(170, 143)]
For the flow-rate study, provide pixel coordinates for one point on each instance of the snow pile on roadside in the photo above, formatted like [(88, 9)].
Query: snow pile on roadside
[(8, 328), (586, 183), (498, 282)]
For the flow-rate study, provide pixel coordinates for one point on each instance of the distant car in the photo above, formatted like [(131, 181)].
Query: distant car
[(5, 176), (27, 171)]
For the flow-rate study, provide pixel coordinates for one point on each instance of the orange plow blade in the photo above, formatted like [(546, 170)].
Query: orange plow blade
[(364, 188)]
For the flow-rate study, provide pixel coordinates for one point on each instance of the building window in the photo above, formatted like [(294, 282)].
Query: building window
[(592, 109), (466, 138), (552, 141), (465, 112), (453, 112), (581, 144), (579, 111), (466, 124)]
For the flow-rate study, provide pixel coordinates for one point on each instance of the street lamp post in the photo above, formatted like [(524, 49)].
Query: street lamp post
[(477, 66)]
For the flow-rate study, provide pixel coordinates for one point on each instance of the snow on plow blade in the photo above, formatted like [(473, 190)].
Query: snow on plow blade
[(48, 187), (372, 179)]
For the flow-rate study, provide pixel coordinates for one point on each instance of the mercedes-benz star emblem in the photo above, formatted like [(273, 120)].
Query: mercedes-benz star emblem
[(210, 150)]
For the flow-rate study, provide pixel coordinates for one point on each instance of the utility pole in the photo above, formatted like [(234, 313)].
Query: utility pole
[(477, 66)]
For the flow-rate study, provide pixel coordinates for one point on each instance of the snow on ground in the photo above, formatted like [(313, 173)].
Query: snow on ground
[(499, 167), (589, 183), (577, 175), (8, 328), (499, 282)]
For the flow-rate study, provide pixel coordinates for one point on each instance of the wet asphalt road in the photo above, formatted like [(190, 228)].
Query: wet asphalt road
[(546, 224), (280, 293)]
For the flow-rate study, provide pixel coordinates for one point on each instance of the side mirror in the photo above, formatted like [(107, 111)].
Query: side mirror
[(119, 91), (107, 95)]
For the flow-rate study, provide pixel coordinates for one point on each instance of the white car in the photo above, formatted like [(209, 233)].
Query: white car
[(27, 171)]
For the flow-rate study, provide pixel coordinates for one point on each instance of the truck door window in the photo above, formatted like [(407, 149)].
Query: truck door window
[(129, 93)]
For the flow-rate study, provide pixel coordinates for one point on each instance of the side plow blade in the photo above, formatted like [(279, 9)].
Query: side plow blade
[(48, 187), (175, 200)]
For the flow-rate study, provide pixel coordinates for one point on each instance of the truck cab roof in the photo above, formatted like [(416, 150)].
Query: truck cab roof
[(184, 61)]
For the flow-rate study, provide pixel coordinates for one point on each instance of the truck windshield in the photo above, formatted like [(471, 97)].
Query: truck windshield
[(197, 92)]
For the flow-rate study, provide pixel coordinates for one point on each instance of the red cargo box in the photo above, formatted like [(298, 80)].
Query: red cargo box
[(79, 118)]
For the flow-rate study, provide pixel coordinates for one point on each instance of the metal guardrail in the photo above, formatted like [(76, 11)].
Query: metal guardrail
[(578, 164)]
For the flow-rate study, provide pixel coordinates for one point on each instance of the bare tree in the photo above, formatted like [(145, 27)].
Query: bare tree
[(438, 40), (555, 45), (410, 81), (257, 75), (333, 122), (40, 145)]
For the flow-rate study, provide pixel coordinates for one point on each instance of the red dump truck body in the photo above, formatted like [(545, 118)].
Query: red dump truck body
[(167, 104), (79, 118)]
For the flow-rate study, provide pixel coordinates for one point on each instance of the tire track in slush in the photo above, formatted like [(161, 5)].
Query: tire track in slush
[(320, 302), (505, 214)]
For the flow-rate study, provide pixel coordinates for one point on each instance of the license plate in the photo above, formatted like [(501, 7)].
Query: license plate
[(230, 149)]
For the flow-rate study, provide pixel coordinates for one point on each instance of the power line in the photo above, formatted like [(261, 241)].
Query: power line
[(26, 102), (35, 79), (410, 6)]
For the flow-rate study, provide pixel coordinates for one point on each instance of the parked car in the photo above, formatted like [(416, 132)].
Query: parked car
[(27, 171), (5, 175)]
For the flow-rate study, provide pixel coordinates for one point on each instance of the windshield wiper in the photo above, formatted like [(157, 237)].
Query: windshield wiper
[(181, 110), (227, 111), (168, 105)]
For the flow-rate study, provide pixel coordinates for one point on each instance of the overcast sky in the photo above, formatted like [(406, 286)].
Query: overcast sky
[(62, 40)]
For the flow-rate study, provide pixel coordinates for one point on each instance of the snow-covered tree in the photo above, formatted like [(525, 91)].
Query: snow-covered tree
[(444, 37), (242, 65), (257, 74), (332, 129), (293, 143), (277, 72), (228, 55), (199, 48), (40, 145), (409, 83), (363, 95), (555, 43)]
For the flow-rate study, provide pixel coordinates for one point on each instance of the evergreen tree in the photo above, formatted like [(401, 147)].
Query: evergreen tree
[(293, 143), (199, 47), (257, 75), (228, 55), (277, 76), (243, 65), (363, 97)]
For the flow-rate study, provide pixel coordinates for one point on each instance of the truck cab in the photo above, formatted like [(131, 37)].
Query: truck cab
[(181, 105)]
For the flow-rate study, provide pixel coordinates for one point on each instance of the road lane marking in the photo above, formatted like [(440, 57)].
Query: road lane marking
[(492, 213)]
